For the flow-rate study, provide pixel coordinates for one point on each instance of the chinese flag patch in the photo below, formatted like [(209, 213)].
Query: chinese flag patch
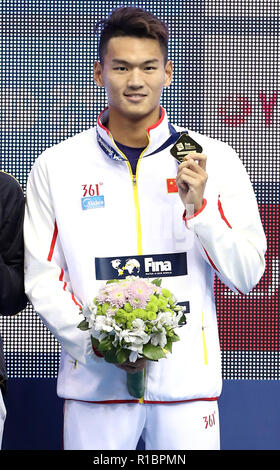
[(171, 185)]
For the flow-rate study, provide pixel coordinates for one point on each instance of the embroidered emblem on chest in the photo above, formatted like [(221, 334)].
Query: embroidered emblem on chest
[(92, 197)]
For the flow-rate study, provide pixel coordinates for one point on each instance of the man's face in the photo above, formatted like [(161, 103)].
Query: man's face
[(133, 74)]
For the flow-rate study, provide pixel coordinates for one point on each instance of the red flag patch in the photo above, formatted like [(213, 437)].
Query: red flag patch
[(171, 185)]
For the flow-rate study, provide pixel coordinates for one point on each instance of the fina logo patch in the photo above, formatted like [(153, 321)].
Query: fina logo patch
[(131, 266), (155, 265), (92, 199)]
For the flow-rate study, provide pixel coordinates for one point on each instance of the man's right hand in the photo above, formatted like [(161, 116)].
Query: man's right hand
[(133, 367)]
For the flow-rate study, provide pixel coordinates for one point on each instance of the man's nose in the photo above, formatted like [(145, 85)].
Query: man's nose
[(135, 79)]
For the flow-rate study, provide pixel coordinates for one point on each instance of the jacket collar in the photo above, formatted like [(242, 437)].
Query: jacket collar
[(157, 135)]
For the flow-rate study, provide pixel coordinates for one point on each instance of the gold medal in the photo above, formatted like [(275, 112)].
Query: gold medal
[(183, 146)]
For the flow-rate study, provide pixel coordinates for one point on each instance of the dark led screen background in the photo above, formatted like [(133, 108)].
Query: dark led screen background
[(226, 85)]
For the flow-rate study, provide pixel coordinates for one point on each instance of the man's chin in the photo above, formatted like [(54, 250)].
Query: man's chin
[(138, 114)]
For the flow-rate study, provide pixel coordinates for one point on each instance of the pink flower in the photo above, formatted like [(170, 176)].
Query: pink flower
[(135, 291), (105, 292), (117, 296), (102, 295), (139, 292)]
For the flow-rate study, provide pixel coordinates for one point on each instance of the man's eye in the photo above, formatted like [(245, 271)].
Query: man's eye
[(120, 68)]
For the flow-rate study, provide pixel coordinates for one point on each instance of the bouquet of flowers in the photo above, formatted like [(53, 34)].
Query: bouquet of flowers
[(133, 318)]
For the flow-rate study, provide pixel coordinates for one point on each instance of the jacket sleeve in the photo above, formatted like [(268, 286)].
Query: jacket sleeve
[(12, 295), (47, 283), (229, 228)]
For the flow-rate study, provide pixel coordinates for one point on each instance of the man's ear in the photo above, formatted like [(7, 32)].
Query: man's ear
[(168, 73), (97, 74)]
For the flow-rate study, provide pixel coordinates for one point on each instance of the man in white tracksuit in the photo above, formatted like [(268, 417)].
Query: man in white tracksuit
[(115, 195)]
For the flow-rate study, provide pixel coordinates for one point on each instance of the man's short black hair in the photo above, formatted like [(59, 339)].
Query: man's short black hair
[(131, 21)]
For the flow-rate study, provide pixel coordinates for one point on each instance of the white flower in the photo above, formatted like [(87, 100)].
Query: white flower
[(138, 348), (103, 323), (133, 356), (159, 338), (89, 312), (136, 337), (138, 325), (167, 319)]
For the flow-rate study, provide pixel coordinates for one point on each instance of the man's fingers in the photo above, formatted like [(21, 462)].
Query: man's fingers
[(198, 158), (191, 175), (201, 157), (191, 167), (188, 179)]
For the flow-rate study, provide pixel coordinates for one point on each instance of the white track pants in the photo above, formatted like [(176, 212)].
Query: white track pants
[(185, 426), (2, 417)]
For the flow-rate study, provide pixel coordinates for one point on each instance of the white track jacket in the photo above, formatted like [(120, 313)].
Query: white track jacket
[(86, 213)]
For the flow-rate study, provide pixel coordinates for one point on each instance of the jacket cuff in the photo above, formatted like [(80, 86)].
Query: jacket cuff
[(186, 218)]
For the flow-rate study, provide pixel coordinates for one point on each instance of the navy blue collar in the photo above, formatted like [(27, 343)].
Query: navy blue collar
[(113, 154), (171, 140)]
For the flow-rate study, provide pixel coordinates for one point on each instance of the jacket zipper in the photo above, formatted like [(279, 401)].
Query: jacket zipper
[(137, 211), (204, 342), (135, 194)]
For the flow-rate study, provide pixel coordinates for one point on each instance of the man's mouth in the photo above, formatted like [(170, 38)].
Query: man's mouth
[(135, 97)]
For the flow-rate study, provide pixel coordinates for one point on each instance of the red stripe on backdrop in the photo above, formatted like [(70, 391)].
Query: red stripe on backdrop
[(251, 322)]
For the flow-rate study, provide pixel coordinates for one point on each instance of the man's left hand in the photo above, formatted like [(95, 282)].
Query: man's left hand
[(191, 180)]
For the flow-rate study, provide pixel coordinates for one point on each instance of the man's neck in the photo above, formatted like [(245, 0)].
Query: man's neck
[(131, 133)]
